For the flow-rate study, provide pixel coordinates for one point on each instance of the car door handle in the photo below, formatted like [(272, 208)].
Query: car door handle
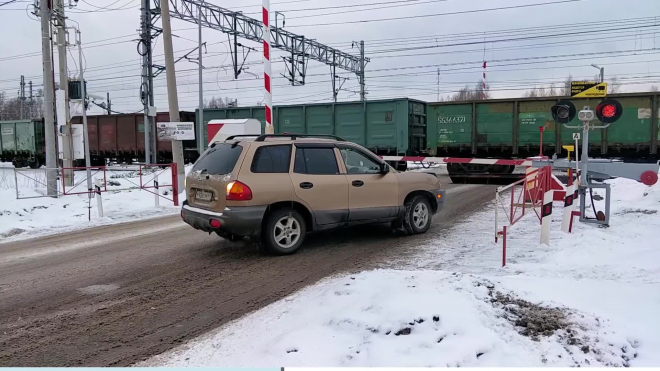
[(306, 185), (357, 183)]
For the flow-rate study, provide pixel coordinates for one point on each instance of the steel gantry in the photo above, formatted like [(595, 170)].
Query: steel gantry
[(236, 23)]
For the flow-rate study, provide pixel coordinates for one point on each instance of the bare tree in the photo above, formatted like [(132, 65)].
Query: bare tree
[(478, 93), (615, 85), (219, 102), (654, 88), (12, 109), (531, 93), (566, 90)]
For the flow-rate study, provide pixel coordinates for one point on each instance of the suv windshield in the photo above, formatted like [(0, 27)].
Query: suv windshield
[(218, 160)]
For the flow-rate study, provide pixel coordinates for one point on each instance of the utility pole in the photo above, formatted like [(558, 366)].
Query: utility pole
[(30, 105), (22, 98), (109, 103), (172, 97), (49, 109), (146, 92), (362, 66), (438, 97), (83, 94), (67, 137), (602, 71), (200, 115)]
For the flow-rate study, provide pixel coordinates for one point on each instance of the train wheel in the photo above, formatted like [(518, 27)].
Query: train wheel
[(453, 168), (34, 163), (499, 169)]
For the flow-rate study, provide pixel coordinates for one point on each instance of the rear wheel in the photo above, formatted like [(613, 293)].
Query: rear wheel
[(418, 215), (285, 232)]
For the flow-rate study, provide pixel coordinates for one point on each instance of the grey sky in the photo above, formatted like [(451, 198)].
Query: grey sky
[(116, 68)]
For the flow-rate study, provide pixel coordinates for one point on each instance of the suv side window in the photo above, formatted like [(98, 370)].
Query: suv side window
[(358, 163), (316, 161), (272, 159)]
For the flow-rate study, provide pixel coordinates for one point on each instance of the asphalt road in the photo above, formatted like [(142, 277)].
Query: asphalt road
[(116, 295)]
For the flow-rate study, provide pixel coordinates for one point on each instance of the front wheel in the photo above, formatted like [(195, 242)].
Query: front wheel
[(285, 232), (418, 214)]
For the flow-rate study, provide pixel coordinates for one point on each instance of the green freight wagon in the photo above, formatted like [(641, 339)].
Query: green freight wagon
[(509, 128), (22, 142), (387, 127)]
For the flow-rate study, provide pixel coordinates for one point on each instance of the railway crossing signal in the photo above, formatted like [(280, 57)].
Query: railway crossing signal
[(609, 111), (563, 112)]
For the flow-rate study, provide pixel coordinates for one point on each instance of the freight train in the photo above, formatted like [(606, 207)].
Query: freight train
[(112, 137), (496, 128)]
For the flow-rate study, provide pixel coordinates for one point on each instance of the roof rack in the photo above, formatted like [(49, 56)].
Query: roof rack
[(242, 136), (262, 138)]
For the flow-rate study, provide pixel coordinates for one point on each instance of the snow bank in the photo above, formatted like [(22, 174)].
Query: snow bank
[(590, 298), (24, 218)]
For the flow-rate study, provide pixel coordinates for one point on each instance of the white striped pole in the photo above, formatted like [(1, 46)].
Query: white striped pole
[(569, 206), (267, 69), (546, 208)]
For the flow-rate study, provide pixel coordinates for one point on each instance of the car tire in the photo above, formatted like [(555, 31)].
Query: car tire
[(285, 232), (417, 216)]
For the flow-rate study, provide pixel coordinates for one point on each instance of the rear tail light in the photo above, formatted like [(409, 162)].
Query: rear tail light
[(215, 223), (237, 191)]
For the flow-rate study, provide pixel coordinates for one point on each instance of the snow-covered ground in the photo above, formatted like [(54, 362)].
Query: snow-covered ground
[(29, 217), (590, 298)]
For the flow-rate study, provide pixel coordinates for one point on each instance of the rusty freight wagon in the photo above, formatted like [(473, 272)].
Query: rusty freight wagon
[(121, 138), (509, 128)]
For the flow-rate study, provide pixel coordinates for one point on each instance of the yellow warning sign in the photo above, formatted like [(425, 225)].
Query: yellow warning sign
[(588, 89)]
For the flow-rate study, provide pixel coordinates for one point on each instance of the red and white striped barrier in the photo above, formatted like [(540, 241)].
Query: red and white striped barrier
[(267, 68), (459, 160), (569, 206), (546, 211)]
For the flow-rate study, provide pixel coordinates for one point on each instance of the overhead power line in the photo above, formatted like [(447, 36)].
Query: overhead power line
[(436, 14)]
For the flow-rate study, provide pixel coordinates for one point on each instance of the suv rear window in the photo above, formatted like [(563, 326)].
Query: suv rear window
[(272, 159), (219, 160)]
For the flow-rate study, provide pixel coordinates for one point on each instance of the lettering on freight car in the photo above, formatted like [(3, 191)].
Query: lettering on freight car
[(8, 131), (452, 119), (388, 116)]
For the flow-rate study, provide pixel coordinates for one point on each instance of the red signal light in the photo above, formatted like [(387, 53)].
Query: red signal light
[(609, 110)]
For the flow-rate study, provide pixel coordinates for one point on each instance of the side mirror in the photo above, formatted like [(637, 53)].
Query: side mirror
[(384, 169)]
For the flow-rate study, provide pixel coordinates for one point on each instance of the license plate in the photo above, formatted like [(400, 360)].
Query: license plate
[(203, 195)]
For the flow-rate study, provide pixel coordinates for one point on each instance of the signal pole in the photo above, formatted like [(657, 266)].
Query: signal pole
[(22, 98), (268, 73), (200, 119), (109, 103), (438, 97), (67, 137), (362, 66), (30, 105), (49, 109), (172, 96)]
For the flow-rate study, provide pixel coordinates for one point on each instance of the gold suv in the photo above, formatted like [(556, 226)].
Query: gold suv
[(277, 188)]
